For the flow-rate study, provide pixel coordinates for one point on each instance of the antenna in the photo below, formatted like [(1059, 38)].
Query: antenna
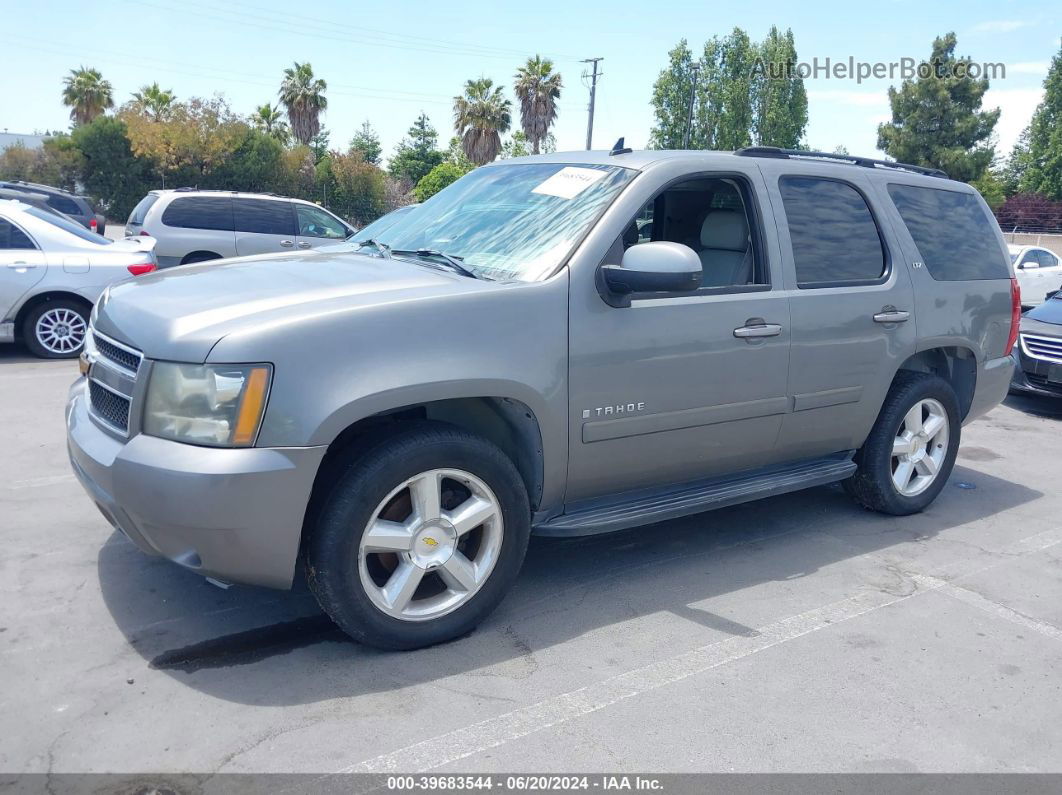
[(619, 149)]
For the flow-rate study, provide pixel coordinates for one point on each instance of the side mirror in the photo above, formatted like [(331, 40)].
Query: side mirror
[(656, 267), (1029, 264)]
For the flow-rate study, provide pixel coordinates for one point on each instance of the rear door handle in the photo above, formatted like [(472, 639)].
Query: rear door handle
[(758, 330), (304, 244), (287, 243), (891, 316), (22, 265)]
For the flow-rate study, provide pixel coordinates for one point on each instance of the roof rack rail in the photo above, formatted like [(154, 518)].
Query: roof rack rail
[(855, 160)]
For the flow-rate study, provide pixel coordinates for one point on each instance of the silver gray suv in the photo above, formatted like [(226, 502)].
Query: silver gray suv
[(200, 225), (563, 344)]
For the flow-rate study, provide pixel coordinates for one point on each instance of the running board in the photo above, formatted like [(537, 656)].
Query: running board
[(657, 506)]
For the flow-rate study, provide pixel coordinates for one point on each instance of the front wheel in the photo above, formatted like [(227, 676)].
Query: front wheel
[(910, 452), (420, 539), (56, 329)]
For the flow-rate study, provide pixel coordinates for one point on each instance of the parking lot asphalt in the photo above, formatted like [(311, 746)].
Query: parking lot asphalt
[(795, 634)]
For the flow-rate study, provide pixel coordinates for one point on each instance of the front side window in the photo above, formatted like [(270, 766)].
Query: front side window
[(200, 212), (511, 222), (13, 237), (711, 216), (71, 227), (954, 233), (264, 217), (315, 222), (832, 231), (1030, 260)]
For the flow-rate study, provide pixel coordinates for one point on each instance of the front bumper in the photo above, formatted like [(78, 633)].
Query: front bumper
[(1030, 376), (234, 514)]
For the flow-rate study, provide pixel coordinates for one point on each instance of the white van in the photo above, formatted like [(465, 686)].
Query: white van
[(199, 225)]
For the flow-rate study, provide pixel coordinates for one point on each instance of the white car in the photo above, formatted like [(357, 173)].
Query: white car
[(200, 225), (1039, 272), (52, 270)]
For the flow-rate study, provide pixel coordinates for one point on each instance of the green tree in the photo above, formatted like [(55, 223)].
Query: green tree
[(256, 164), (990, 186), (367, 142), (319, 144), (87, 94), (154, 101), (112, 174), (727, 83), (537, 88), (1012, 175), (670, 99), (303, 97), (1042, 172), (417, 154), (518, 146), (438, 178), (18, 161), (269, 119), (937, 120), (481, 115), (358, 191), (781, 102)]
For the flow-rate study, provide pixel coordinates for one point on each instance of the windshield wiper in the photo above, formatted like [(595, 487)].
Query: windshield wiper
[(383, 248), (453, 262)]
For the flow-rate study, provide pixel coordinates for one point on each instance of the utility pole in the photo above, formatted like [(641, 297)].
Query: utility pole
[(695, 68), (593, 95)]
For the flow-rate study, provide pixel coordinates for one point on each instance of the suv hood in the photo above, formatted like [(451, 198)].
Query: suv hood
[(181, 313)]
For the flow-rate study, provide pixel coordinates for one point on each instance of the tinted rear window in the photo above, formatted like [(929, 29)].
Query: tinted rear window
[(200, 212), (955, 236), (264, 217), (141, 210), (64, 205), (833, 234), (13, 237)]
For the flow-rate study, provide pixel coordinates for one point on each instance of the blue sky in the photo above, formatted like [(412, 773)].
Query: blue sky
[(387, 61)]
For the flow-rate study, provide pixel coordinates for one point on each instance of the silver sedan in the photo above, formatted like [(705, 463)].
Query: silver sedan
[(52, 270)]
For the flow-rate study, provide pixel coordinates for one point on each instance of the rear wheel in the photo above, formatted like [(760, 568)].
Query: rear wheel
[(199, 256), (420, 539), (56, 329), (910, 452)]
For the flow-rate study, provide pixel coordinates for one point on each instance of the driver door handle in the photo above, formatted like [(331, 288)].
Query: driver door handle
[(304, 244), (22, 265), (757, 328), (287, 243), (891, 316)]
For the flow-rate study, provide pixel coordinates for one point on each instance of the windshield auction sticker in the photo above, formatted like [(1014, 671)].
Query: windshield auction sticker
[(570, 181)]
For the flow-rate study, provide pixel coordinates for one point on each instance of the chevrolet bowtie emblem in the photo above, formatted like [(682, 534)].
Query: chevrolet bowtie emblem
[(431, 542)]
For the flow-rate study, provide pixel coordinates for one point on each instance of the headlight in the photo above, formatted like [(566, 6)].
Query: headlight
[(219, 405)]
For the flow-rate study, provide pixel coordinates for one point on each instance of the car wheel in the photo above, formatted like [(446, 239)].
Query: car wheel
[(420, 539), (56, 329), (199, 256), (910, 452)]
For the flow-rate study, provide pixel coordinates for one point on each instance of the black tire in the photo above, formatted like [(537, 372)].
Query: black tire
[(331, 559), (872, 485), (29, 328), (199, 256)]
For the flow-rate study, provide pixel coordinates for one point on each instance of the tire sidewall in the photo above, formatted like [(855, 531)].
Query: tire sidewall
[(332, 559), (29, 329), (911, 393)]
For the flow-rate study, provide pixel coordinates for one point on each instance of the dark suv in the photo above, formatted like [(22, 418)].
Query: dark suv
[(77, 208)]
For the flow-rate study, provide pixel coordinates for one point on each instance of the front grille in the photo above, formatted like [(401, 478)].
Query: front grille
[(124, 357), (1048, 349), (112, 408), (1041, 382)]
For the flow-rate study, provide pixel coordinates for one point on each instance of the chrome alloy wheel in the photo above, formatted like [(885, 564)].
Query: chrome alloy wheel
[(430, 545), (60, 330), (920, 447)]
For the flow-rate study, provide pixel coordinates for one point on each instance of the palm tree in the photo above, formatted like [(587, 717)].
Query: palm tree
[(304, 98), (154, 101), (480, 116), (270, 120), (87, 94), (538, 88)]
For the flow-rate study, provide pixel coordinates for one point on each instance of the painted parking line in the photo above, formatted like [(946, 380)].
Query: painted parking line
[(493, 732)]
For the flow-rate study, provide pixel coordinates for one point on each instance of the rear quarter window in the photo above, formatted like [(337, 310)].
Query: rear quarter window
[(956, 238), (64, 205), (200, 212), (141, 210)]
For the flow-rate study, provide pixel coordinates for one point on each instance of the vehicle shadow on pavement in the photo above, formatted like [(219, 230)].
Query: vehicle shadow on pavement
[(256, 646), (1037, 405)]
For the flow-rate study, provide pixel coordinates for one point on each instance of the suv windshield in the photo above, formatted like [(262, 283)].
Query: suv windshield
[(513, 221)]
